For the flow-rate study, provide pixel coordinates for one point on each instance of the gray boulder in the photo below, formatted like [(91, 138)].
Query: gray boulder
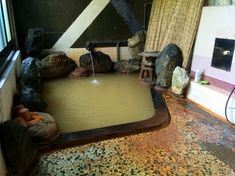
[(128, 66), (56, 65), (102, 62), (45, 130), (18, 149), (136, 44), (30, 75), (180, 80), (78, 72), (168, 59)]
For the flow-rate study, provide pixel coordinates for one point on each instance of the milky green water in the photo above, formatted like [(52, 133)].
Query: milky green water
[(78, 104)]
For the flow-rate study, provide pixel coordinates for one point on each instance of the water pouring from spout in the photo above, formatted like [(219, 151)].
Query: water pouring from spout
[(90, 47), (93, 69)]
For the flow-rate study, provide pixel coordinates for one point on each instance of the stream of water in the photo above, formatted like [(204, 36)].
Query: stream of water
[(94, 81)]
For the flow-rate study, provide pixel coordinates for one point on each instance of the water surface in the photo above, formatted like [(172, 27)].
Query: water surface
[(78, 104)]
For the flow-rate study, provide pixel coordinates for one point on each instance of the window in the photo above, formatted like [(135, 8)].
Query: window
[(5, 35), (223, 54), (6, 39)]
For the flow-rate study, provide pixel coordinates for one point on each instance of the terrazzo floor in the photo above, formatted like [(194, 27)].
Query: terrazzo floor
[(194, 143)]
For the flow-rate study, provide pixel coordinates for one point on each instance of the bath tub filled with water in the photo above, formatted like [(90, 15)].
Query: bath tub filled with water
[(84, 104)]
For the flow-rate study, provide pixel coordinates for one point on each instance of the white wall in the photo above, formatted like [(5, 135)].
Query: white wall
[(216, 22), (7, 90)]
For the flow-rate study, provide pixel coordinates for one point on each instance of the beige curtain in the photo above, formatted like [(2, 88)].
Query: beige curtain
[(174, 21)]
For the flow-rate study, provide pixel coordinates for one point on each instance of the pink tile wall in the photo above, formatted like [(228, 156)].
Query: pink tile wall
[(217, 77)]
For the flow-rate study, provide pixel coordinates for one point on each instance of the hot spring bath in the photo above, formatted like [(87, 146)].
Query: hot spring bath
[(79, 105)]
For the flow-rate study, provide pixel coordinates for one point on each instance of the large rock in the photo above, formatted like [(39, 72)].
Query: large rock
[(128, 66), (18, 149), (30, 99), (102, 62), (169, 58), (45, 130), (180, 80), (56, 65), (34, 41), (78, 72), (136, 44), (30, 75)]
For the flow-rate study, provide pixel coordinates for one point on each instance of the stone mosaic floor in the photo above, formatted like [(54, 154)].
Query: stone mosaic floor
[(195, 143)]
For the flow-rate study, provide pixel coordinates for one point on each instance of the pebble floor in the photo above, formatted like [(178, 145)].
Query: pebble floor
[(194, 143)]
